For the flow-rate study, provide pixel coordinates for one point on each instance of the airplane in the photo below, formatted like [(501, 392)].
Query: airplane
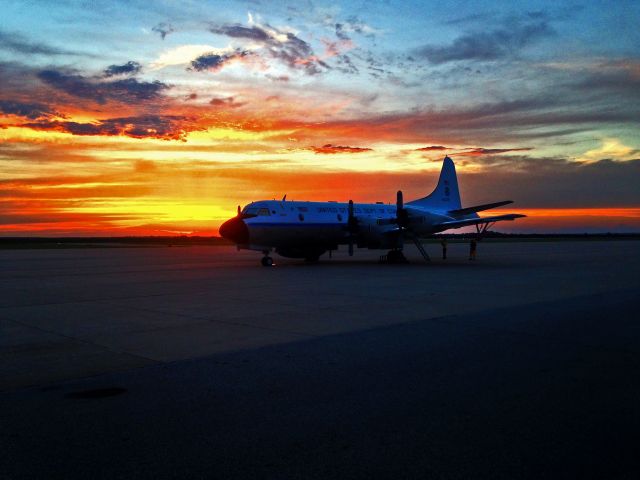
[(297, 229)]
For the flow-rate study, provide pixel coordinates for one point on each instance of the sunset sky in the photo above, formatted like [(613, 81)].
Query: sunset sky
[(160, 117)]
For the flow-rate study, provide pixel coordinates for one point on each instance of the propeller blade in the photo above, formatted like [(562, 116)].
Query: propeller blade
[(351, 227), (402, 217), (239, 210)]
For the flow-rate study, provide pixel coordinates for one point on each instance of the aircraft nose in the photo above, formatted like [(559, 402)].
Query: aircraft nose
[(235, 230)]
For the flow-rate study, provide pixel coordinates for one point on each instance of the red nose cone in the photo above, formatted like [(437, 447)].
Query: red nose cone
[(235, 230)]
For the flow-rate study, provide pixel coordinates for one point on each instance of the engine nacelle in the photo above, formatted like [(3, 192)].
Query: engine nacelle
[(375, 234)]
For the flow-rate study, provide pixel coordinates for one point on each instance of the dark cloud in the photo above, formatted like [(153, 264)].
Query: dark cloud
[(495, 44), (163, 29), (283, 46), (340, 32), (239, 31), (32, 111), (346, 65), (296, 53), (165, 127), (432, 148), (473, 18), (328, 148), (556, 13), (213, 62), (278, 78), (497, 122), (124, 90), (555, 182), (229, 102), (375, 67), (14, 42), (191, 96), (479, 151), (355, 25), (444, 125), (129, 68), (621, 77)]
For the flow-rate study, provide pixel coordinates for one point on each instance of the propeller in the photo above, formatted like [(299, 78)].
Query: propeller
[(242, 216), (402, 219), (402, 216), (352, 227)]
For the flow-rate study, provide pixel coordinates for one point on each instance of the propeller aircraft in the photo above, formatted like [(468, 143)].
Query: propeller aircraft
[(307, 230)]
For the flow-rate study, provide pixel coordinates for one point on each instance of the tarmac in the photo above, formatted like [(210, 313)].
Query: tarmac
[(196, 362)]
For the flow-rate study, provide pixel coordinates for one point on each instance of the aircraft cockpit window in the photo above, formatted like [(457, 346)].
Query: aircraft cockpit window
[(264, 212), (250, 211)]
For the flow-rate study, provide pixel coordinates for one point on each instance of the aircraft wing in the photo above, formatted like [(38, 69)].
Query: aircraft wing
[(479, 220), (478, 208)]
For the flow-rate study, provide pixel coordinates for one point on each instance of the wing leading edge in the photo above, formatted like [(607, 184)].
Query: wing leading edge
[(479, 220)]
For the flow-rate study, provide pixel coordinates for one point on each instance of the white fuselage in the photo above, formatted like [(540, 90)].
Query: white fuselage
[(308, 229), (284, 224)]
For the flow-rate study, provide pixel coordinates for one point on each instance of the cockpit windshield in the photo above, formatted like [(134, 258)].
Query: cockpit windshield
[(256, 211)]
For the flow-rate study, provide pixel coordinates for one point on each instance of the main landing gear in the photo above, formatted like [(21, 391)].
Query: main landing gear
[(394, 256), (266, 261)]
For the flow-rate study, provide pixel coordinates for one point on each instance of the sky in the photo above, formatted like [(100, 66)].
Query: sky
[(159, 118)]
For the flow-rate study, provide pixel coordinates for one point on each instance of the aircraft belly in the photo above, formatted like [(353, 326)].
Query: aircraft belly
[(294, 235)]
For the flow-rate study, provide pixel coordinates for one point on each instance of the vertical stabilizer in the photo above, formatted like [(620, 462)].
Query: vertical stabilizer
[(446, 195)]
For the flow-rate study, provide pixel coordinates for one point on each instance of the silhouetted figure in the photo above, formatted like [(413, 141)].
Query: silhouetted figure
[(443, 242), (472, 250)]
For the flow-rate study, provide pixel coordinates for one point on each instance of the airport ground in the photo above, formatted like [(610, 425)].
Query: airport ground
[(196, 362)]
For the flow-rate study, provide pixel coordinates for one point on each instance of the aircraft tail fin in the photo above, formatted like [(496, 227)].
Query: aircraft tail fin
[(446, 195)]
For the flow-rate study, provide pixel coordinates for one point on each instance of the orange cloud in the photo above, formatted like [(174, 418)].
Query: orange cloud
[(432, 148), (478, 151), (328, 148)]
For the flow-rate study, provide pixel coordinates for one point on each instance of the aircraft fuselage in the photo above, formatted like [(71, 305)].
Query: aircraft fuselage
[(308, 229), (300, 229)]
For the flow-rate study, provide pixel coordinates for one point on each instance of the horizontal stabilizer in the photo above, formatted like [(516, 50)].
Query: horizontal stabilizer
[(479, 220), (478, 208)]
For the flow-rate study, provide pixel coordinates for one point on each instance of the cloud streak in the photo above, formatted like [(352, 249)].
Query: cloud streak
[(32, 111), (129, 68), (163, 29), (331, 149), (479, 151), (499, 43), (214, 62), (17, 43), (432, 148), (164, 127)]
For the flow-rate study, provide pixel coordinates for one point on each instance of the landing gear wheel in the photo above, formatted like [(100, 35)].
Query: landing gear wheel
[(267, 261)]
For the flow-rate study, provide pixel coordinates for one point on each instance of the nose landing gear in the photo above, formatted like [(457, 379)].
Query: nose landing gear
[(266, 261)]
